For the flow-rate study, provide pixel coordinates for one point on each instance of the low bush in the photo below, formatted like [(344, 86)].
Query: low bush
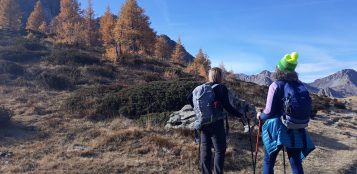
[(5, 115), (96, 102), (249, 92), (50, 81), (6, 79), (20, 55), (103, 71), (11, 68), (34, 46), (161, 96), (70, 57), (338, 104), (103, 102)]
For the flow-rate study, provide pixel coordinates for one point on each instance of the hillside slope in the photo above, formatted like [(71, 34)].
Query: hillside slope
[(74, 112)]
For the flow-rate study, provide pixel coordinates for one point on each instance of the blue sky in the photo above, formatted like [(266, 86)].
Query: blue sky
[(252, 35)]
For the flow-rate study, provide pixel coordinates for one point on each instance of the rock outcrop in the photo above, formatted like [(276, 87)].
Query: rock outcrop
[(185, 118), (182, 119)]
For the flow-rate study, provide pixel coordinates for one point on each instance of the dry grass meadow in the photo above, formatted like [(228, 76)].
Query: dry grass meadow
[(41, 138)]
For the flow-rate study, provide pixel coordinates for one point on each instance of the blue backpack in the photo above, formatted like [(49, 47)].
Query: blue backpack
[(203, 102), (297, 105)]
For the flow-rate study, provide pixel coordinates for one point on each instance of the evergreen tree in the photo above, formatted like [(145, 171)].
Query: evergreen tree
[(68, 24), (132, 30), (162, 48), (178, 55), (10, 15), (36, 18), (90, 28), (106, 28)]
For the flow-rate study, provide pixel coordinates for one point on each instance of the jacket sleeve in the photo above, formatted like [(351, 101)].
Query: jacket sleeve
[(272, 104), (225, 102)]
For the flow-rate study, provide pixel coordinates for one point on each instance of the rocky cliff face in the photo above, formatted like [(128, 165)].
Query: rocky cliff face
[(340, 84), (51, 9), (264, 78)]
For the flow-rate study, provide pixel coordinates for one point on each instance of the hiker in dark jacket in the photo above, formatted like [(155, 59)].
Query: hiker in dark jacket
[(214, 134), (274, 133)]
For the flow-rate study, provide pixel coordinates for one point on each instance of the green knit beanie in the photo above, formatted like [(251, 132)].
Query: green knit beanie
[(288, 62)]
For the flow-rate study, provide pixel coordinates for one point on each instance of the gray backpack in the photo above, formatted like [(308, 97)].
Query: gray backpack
[(203, 99)]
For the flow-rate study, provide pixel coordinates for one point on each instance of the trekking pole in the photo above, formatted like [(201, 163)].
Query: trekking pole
[(284, 159), (250, 137), (257, 145)]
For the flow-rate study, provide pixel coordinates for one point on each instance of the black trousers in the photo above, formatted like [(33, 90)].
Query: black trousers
[(213, 136)]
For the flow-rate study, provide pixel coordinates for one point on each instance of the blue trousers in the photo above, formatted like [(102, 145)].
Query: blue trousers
[(213, 135), (294, 158)]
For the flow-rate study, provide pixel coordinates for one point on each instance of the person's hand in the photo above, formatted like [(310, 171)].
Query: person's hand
[(258, 115)]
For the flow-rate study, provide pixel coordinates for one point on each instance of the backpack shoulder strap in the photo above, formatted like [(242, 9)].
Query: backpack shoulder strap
[(215, 85), (280, 83)]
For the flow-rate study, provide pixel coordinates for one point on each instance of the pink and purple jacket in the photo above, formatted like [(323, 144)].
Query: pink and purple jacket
[(274, 103)]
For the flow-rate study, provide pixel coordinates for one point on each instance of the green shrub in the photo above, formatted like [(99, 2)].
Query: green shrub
[(102, 71), (6, 79), (11, 68), (49, 80), (155, 97), (5, 115), (70, 57), (20, 55), (249, 92), (95, 102), (338, 104)]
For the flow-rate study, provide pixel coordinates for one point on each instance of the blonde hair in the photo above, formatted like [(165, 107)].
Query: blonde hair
[(215, 75)]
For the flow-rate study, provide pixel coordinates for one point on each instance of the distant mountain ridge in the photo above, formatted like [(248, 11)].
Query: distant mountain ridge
[(340, 84), (264, 78)]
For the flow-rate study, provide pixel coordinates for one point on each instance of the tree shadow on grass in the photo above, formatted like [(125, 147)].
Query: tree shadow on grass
[(327, 142), (15, 132)]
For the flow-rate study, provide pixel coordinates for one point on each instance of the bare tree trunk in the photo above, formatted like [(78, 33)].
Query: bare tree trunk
[(118, 52)]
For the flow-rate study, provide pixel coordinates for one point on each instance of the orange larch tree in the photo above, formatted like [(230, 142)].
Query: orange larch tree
[(68, 25), (90, 28), (162, 49), (106, 28), (10, 15), (178, 55), (200, 65), (36, 18), (132, 32)]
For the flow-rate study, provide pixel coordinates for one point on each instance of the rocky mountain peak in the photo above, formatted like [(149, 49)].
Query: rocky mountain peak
[(340, 84)]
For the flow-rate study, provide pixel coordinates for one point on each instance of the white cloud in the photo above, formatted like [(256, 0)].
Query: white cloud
[(242, 62), (312, 71), (314, 61)]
